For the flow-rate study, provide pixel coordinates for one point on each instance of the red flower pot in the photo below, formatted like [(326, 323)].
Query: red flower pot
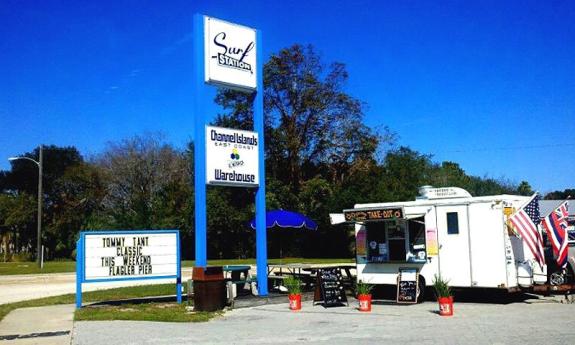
[(445, 306), (364, 302), (294, 302)]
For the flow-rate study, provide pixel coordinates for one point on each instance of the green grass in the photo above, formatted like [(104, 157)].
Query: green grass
[(111, 295), (10, 268), (165, 312)]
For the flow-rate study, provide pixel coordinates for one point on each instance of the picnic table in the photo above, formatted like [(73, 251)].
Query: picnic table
[(278, 272), (239, 276), (306, 272), (343, 267), (292, 269), (236, 272)]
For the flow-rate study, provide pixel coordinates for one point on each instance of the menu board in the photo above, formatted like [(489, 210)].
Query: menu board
[(407, 280), (329, 287)]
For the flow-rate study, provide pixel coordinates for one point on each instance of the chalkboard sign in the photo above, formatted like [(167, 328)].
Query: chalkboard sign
[(407, 281), (329, 288)]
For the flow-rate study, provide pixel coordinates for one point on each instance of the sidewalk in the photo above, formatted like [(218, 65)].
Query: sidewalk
[(50, 325)]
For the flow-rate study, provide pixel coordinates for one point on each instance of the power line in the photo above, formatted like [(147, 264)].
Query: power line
[(508, 148)]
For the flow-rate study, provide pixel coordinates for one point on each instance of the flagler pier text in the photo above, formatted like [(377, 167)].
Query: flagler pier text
[(129, 259)]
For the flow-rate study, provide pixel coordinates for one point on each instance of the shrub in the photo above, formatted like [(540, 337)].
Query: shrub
[(293, 285), (362, 288), (22, 257), (441, 286)]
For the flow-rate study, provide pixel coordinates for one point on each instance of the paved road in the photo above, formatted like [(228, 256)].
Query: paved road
[(50, 325), (15, 288), (473, 323)]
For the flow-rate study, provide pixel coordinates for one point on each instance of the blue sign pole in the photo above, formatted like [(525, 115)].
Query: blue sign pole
[(261, 241), (198, 98), (79, 273), (179, 278)]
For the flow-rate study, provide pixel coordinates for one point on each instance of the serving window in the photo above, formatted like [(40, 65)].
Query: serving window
[(400, 240)]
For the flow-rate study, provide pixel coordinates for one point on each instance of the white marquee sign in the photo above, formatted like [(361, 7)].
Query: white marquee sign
[(230, 54), (231, 157), (133, 255)]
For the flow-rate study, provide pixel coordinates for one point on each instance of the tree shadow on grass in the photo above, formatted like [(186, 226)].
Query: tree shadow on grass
[(138, 300)]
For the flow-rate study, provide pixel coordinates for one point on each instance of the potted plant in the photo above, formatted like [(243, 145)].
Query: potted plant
[(363, 292), (294, 292), (444, 297)]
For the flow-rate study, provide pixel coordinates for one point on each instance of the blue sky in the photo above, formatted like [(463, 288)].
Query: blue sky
[(487, 84)]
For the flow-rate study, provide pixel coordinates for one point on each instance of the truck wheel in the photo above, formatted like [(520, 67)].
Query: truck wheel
[(420, 290), (559, 278), (556, 278)]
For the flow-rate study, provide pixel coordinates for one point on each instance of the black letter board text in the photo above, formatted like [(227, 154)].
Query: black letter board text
[(407, 280), (329, 288)]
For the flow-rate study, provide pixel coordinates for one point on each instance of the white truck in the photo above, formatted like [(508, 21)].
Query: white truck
[(447, 232)]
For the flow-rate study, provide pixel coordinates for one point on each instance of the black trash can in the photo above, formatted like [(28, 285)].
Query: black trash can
[(209, 288)]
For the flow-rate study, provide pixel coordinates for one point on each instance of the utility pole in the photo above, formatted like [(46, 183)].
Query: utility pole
[(39, 240)]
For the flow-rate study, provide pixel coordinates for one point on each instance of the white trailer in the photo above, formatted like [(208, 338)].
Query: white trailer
[(447, 232)]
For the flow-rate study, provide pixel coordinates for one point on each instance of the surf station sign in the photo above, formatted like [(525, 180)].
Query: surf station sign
[(228, 55), (104, 256)]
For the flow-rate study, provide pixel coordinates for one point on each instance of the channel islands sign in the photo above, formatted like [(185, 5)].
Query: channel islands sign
[(104, 256), (232, 157)]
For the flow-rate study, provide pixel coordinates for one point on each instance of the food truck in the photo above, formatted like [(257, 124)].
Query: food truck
[(444, 232)]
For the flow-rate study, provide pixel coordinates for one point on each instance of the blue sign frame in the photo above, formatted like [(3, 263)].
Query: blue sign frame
[(81, 262)]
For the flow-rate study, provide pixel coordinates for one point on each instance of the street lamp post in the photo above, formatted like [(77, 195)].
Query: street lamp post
[(39, 222)]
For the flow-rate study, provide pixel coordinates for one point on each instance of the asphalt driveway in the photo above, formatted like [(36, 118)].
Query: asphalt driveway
[(534, 321)]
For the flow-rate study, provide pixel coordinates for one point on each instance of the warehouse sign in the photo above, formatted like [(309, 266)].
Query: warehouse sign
[(230, 55), (231, 157), (359, 215), (104, 256)]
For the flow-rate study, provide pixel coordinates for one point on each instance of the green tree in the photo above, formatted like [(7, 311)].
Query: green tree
[(560, 195), (79, 195), (524, 188), (23, 176), (22, 181), (450, 174), (17, 223), (148, 183), (405, 170), (310, 120)]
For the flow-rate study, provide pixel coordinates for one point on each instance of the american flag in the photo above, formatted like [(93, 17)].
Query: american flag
[(555, 225), (525, 222)]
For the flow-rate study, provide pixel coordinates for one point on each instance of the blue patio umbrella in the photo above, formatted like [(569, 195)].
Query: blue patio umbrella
[(286, 219)]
